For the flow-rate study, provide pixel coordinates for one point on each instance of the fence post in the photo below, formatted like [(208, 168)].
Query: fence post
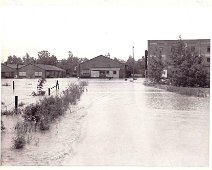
[(16, 102), (57, 85), (49, 91), (13, 85)]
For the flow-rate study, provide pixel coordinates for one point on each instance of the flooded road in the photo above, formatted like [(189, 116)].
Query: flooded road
[(119, 122)]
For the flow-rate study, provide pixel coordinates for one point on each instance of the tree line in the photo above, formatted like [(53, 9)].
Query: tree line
[(71, 63)]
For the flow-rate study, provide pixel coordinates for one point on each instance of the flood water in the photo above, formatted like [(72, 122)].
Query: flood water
[(116, 122)]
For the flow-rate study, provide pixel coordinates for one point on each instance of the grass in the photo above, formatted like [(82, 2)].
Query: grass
[(189, 91)]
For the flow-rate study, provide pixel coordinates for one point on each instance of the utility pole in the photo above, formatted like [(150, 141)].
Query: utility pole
[(133, 65), (146, 55)]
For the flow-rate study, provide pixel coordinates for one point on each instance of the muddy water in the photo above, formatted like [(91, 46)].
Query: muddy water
[(118, 122)]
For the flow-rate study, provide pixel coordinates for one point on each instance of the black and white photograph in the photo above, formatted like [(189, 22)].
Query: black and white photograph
[(105, 83)]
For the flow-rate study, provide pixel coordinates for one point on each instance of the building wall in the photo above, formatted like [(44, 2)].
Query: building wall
[(7, 72), (164, 47), (103, 67), (30, 71), (52, 73)]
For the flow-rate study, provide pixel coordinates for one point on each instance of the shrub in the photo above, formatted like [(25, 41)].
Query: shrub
[(2, 125), (11, 112), (50, 108), (44, 125), (21, 104), (31, 113), (19, 142), (5, 84)]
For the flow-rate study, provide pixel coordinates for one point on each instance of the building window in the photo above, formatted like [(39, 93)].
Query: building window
[(38, 74), (208, 60), (114, 72), (85, 72), (22, 74), (208, 49)]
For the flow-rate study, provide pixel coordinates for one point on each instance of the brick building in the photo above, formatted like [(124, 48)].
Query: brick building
[(7, 72), (31, 71), (101, 67), (164, 49)]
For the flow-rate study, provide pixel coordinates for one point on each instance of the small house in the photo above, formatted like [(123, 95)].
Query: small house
[(101, 67), (40, 70)]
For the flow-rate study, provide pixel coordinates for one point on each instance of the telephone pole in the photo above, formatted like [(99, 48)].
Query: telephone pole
[(133, 64)]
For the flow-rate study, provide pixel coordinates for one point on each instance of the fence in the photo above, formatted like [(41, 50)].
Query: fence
[(18, 100)]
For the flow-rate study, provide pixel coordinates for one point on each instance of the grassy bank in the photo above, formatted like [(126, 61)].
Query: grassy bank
[(39, 116), (189, 91)]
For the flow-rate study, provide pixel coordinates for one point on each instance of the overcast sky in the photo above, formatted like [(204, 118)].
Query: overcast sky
[(90, 28)]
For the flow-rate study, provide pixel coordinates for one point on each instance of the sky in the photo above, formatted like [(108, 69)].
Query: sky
[(89, 28)]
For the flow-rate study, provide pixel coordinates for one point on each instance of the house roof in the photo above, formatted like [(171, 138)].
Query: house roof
[(14, 66), (103, 61), (42, 66), (5, 68), (49, 67)]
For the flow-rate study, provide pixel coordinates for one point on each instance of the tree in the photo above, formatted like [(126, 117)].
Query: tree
[(14, 60), (44, 57), (27, 59), (119, 60), (187, 67), (140, 66), (71, 64), (156, 66)]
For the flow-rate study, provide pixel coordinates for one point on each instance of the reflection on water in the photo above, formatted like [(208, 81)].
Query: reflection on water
[(125, 124)]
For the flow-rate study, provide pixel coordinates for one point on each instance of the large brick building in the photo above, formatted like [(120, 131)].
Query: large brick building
[(101, 67), (164, 49)]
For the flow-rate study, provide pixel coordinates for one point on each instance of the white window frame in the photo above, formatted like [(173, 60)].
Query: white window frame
[(22, 74)]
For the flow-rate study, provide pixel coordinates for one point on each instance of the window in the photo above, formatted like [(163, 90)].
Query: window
[(102, 72), (85, 72), (114, 72), (107, 72), (208, 60), (208, 49), (22, 74), (38, 74)]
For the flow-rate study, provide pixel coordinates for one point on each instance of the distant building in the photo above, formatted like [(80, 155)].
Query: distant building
[(164, 49), (7, 72), (101, 67), (31, 71)]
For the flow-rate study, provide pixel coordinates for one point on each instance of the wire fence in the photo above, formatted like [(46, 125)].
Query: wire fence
[(47, 93)]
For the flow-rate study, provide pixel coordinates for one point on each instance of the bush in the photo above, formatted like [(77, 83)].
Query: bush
[(11, 112), (21, 104), (44, 125), (19, 142), (50, 108), (2, 125), (5, 84)]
